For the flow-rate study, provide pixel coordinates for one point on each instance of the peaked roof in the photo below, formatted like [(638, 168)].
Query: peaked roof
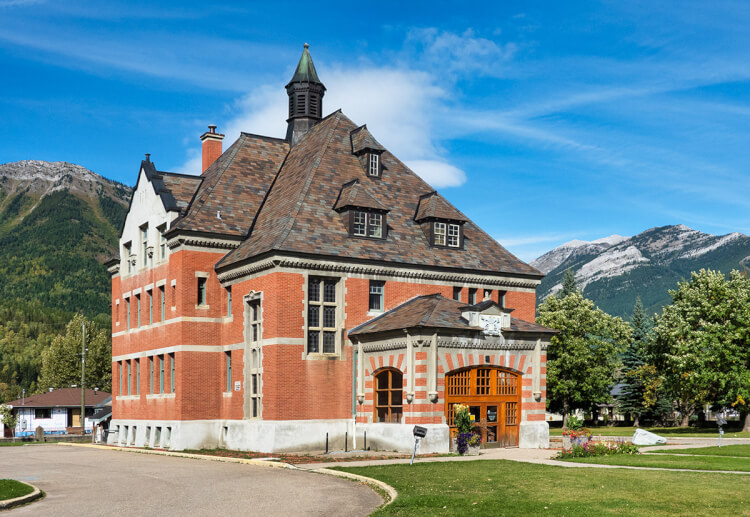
[(362, 139), (64, 397), (234, 186), (354, 194), (305, 72), (174, 190), (433, 205), (297, 214), (434, 311)]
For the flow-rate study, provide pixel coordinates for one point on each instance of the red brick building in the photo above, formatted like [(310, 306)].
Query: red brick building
[(315, 285)]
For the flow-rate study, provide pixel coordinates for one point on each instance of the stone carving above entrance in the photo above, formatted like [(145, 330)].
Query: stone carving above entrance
[(491, 324)]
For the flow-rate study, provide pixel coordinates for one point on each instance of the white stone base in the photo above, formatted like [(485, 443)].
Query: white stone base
[(274, 436), (400, 438), (533, 435)]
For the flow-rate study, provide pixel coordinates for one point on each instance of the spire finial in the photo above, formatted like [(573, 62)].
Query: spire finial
[(307, 45)]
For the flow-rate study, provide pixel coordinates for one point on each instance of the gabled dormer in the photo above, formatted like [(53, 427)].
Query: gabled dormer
[(363, 215), (441, 223), (368, 150), (488, 315)]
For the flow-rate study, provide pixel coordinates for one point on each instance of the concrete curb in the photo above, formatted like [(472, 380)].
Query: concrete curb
[(262, 463), (33, 496), (388, 489)]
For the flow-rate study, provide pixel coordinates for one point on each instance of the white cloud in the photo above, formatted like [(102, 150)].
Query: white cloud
[(399, 107), (438, 174)]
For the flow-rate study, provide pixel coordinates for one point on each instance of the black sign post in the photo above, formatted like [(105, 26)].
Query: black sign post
[(419, 433)]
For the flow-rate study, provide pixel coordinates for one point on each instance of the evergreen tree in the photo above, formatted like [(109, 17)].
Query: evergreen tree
[(568, 284), (632, 399)]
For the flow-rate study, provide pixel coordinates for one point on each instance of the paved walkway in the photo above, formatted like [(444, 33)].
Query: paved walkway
[(540, 456), (93, 482)]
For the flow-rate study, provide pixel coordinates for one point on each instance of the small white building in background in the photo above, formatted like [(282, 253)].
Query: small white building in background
[(56, 411)]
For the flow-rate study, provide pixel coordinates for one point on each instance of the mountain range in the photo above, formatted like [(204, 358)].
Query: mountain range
[(59, 222), (614, 270)]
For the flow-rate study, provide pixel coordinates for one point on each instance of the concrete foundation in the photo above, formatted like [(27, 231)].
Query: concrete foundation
[(295, 435), (533, 435)]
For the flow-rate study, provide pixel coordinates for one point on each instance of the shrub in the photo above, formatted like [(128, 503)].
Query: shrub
[(573, 423), (586, 449)]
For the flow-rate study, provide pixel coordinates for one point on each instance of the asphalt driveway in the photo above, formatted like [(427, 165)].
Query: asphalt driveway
[(81, 481)]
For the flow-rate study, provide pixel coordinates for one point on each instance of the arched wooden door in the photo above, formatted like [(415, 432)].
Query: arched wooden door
[(494, 398)]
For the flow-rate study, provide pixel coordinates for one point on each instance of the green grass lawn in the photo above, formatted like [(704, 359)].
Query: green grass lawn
[(10, 489), (671, 462), (738, 451), (510, 488), (687, 432)]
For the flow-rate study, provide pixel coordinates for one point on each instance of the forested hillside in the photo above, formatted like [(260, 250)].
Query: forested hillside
[(58, 224)]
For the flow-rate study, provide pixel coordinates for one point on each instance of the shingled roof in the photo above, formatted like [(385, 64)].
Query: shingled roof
[(297, 215), (64, 397), (353, 194), (433, 205), (437, 312), (362, 140), (234, 186)]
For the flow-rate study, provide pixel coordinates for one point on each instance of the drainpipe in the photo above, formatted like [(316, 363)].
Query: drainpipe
[(354, 396)]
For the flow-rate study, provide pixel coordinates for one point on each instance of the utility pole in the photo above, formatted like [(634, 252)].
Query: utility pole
[(83, 378)]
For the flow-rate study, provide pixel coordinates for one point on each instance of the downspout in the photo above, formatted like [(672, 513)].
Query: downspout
[(354, 396)]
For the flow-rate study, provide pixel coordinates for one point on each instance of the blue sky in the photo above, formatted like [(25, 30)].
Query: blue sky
[(543, 121)]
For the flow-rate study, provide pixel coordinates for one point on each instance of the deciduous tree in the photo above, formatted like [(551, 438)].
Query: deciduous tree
[(701, 343), (61, 362), (583, 357)]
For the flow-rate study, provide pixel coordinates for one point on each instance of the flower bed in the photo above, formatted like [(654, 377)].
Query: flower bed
[(585, 448)]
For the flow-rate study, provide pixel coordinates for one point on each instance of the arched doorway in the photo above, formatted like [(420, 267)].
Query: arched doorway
[(494, 398)]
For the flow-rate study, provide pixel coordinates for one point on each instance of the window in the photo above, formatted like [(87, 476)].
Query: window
[(472, 295), (457, 294), (446, 234), (151, 374), (138, 309), (253, 365), (501, 298), (119, 369), (229, 301), (374, 165), (389, 396), (377, 290), (137, 376), (254, 323), (321, 315), (161, 374), (127, 304), (229, 370), (171, 373), (367, 224), (126, 252), (129, 378), (163, 301), (144, 244), (162, 243), (487, 294), (42, 413), (150, 307), (201, 291)]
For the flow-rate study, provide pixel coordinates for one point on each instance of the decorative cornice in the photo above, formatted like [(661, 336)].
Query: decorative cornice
[(458, 342), (406, 272), (114, 269), (382, 346), (201, 242)]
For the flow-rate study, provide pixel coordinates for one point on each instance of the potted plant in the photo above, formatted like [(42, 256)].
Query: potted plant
[(574, 432), (467, 441)]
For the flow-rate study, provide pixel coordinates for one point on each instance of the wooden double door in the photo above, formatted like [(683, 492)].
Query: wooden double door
[(493, 396)]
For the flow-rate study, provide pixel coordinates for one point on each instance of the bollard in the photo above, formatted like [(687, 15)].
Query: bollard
[(326, 443), (365, 448), (346, 441)]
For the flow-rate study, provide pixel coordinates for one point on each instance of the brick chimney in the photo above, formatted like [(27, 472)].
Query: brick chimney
[(211, 146)]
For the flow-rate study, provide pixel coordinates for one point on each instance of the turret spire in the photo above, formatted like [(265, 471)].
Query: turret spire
[(305, 98)]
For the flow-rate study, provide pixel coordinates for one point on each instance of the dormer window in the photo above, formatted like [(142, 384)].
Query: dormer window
[(374, 165), (446, 234), (366, 224)]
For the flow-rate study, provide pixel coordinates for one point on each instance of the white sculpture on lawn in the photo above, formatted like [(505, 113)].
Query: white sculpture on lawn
[(642, 437)]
